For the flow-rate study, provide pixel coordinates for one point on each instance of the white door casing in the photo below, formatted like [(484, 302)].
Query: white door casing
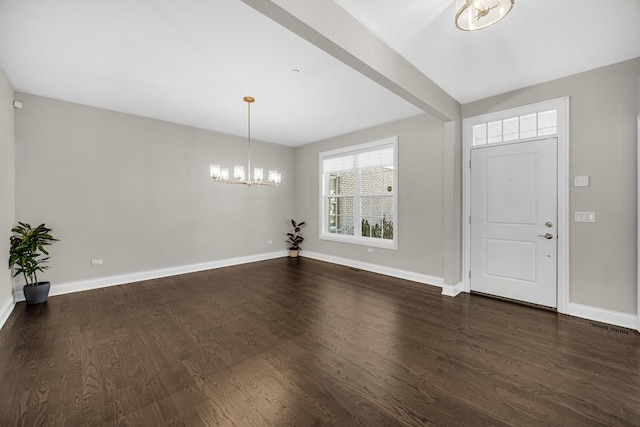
[(638, 229), (514, 221)]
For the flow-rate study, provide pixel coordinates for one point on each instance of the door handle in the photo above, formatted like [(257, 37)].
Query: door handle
[(546, 236)]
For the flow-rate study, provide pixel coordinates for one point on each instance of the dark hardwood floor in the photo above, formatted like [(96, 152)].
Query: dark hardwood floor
[(301, 342)]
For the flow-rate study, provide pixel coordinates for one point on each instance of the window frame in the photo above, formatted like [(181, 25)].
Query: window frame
[(324, 181)]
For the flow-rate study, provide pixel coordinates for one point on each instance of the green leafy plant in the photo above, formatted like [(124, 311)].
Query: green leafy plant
[(27, 253), (366, 228), (294, 238), (384, 232), (387, 226)]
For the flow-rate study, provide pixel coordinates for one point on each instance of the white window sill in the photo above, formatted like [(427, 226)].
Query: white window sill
[(363, 241)]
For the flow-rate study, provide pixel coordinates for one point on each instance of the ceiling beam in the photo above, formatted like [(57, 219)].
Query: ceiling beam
[(328, 26)]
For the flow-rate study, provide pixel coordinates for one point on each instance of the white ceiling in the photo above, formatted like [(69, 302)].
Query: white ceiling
[(540, 40), (192, 61)]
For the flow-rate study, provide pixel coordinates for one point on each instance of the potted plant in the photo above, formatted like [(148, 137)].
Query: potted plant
[(295, 239), (27, 256)]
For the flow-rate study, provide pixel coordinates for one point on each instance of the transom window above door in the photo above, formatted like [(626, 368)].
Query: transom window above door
[(543, 123)]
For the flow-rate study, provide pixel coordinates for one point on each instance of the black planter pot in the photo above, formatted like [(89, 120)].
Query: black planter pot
[(36, 294)]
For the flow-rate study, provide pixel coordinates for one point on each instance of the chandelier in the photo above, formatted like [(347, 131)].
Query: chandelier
[(478, 14), (220, 174)]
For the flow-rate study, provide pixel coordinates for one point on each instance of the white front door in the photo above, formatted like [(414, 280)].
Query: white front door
[(514, 221)]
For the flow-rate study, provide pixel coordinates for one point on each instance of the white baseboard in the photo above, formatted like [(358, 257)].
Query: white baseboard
[(452, 290), (380, 269), (103, 282), (5, 310), (602, 315)]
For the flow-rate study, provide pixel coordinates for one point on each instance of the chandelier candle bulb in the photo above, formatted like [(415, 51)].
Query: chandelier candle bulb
[(238, 173), (214, 171), (257, 175), (274, 177)]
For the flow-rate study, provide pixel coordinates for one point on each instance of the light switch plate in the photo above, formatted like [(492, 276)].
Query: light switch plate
[(580, 216), (581, 181)]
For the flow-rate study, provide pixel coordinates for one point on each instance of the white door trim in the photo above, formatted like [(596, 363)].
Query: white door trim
[(638, 233), (562, 107)]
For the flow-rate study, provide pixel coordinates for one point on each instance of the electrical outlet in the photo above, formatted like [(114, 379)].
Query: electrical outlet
[(95, 262), (269, 242), (369, 250)]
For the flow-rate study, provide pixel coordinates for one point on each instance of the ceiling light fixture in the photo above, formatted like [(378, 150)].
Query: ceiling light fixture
[(219, 174), (478, 14)]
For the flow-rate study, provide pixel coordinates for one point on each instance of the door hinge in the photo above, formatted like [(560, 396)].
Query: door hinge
[(469, 274), (469, 219), (469, 164)]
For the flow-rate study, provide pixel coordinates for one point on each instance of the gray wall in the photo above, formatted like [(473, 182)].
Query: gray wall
[(603, 107), (7, 184), (136, 192), (420, 192)]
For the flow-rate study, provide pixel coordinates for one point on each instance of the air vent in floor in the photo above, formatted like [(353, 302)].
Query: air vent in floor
[(609, 328)]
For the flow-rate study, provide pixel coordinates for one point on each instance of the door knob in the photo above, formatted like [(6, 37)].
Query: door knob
[(546, 236)]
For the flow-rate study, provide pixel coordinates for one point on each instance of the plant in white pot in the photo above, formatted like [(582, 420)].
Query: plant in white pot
[(27, 256), (295, 239)]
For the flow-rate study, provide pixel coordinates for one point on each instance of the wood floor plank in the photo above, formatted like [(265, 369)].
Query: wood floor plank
[(302, 342)]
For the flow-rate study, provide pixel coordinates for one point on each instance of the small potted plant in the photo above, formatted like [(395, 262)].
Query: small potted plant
[(295, 239), (27, 256)]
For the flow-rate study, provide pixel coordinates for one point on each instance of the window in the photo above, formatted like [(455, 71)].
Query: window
[(358, 194), (514, 128)]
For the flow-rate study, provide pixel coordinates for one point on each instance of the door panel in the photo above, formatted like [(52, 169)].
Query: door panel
[(512, 200), (513, 206), (511, 259)]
